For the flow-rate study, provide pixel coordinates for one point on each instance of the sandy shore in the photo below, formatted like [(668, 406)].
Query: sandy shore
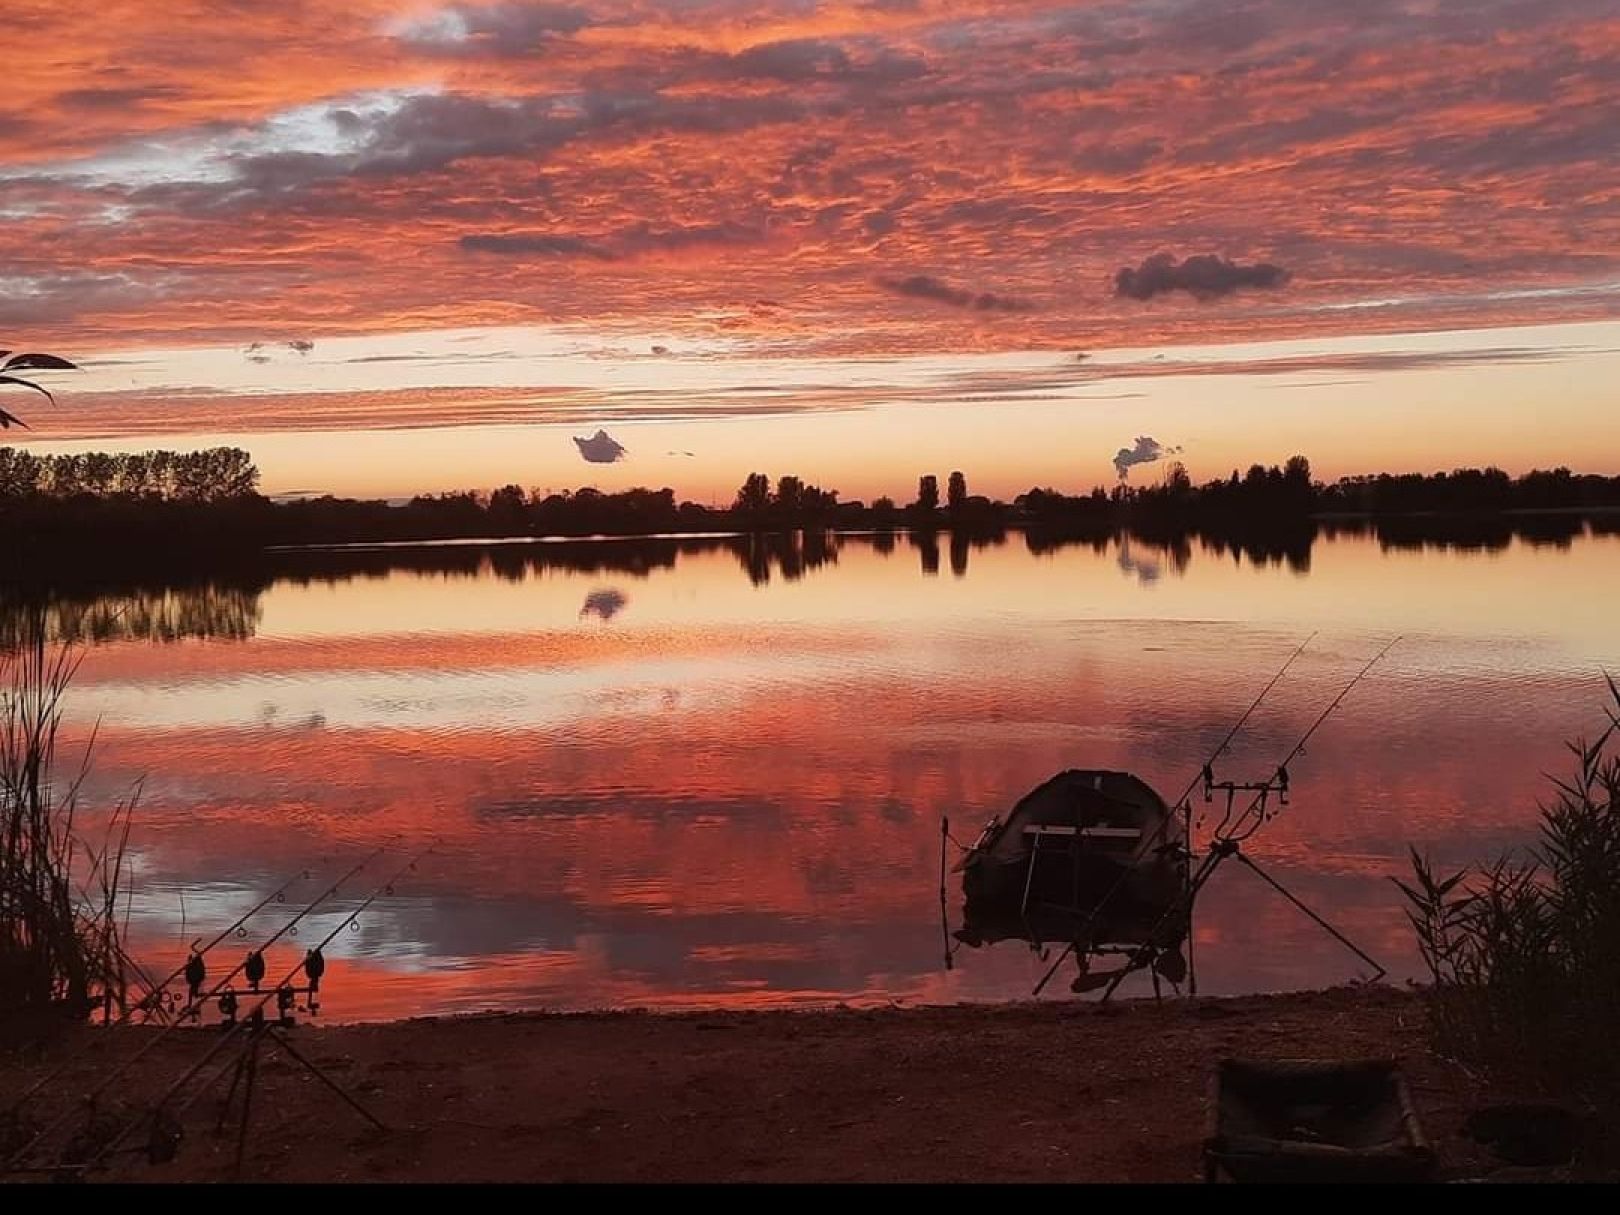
[(1049, 1092)]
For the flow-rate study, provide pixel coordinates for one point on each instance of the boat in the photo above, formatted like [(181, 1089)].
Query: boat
[(1091, 858)]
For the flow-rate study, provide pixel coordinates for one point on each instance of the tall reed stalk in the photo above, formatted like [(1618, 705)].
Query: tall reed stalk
[(61, 948)]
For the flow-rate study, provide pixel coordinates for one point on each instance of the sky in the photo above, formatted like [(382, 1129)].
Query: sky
[(400, 246)]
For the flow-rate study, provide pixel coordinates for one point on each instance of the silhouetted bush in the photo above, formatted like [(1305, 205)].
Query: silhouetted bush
[(1524, 956)]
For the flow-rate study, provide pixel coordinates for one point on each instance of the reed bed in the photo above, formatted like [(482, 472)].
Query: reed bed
[(1524, 953), (61, 940)]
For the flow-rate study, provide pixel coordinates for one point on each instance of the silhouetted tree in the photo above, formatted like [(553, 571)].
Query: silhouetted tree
[(956, 493), (928, 493), (508, 510), (925, 510), (789, 495), (754, 498), (217, 474)]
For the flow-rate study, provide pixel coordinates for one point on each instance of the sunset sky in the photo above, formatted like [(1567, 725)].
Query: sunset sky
[(395, 246)]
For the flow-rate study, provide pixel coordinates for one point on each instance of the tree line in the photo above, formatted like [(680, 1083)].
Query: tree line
[(215, 474), (161, 504), (1289, 492)]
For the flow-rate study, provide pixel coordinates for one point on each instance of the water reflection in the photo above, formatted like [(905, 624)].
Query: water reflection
[(790, 554), (732, 795), (604, 604), (1143, 565), (216, 611), (224, 605)]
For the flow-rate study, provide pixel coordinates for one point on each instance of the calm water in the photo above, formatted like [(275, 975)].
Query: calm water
[(667, 773)]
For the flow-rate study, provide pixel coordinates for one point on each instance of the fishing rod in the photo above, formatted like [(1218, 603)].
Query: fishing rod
[(1164, 823), (188, 967), (1259, 801), (1227, 844), (313, 964), (1238, 725), (153, 998), (255, 958), (162, 1035)]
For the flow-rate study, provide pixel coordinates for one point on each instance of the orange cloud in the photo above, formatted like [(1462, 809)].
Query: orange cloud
[(176, 171)]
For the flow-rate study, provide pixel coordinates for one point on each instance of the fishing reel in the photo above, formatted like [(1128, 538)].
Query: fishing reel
[(285, 998), (229, 1001)]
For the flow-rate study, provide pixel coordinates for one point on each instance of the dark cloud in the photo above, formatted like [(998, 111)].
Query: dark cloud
[(645, 238), (260, 352), (428, 132), (518, 244), (803, 60), (421, 134), (1205, 277), (117, 98), (1363, 361), (879, 223), (601, 448), (1121, 157), (926, 287), (510, 29), (627, 243), (33, 299), (799, 59), (1146, 450)]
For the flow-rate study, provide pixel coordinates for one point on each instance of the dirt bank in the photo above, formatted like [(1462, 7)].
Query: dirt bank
[(1050, 1092)]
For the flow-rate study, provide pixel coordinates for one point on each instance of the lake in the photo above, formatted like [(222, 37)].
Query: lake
[(711, 772)]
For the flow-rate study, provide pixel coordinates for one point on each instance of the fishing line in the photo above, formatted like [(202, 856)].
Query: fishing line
[(1227, 845), (1179, 804), (1299, 747)]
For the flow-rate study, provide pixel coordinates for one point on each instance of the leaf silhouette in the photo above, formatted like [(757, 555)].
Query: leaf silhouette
[(11, 379), (8, 420), (37, 362)]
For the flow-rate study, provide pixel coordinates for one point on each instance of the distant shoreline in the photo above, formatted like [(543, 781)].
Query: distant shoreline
[(55, 510)]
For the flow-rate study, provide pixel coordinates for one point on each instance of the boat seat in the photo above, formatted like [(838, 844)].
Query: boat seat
[(1099, 833), (1073, 846)]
